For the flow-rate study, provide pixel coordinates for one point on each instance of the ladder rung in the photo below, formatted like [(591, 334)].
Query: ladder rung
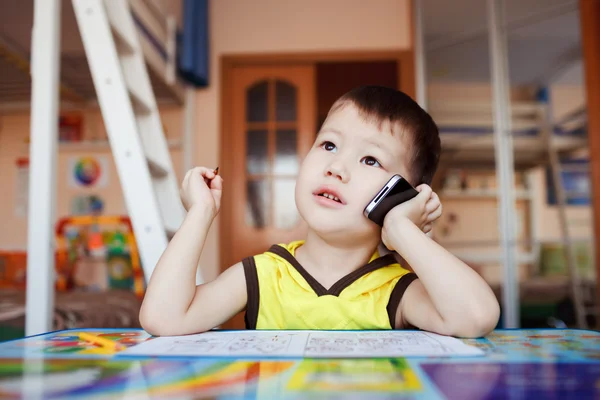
[(139, 105), (117, 21), (124, 46), (156, 170)]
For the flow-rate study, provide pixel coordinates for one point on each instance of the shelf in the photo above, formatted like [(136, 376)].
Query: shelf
[(482, 142), (90, 145), (481, 194)]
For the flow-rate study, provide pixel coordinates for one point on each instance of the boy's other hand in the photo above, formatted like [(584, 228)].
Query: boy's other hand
[(433, 209), (422, 210), (202, 188)]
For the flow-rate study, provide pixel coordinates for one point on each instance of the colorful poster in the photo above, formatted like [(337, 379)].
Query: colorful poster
[(88, 171)]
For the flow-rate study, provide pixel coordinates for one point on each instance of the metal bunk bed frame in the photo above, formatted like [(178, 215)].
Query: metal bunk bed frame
[(497, 148)]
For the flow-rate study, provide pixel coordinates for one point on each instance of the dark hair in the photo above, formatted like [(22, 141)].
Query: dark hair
[(381, 104)]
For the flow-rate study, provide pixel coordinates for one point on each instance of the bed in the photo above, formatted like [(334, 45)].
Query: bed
[(158, 34), (468, 143), (467, 128)]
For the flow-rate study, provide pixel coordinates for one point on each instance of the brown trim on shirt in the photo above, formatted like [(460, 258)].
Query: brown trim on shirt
[(396, 296), (253, 293), (337, 288), (286, 255)]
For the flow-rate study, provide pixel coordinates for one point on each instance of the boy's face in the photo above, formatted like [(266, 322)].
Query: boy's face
[(351, 159)]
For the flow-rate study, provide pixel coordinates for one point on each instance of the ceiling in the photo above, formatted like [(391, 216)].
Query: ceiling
[(543, 36), (15, 35)]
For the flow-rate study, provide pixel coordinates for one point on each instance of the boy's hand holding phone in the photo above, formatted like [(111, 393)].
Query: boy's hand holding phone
[(202, 187), (422, 210)]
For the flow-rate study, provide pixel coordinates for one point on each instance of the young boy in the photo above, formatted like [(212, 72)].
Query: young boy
[(334, 278)]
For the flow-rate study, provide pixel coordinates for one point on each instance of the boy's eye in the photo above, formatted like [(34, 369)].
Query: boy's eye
[(328, 146), (371, 161)]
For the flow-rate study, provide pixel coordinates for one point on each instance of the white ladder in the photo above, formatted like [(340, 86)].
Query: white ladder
[(133, 124)]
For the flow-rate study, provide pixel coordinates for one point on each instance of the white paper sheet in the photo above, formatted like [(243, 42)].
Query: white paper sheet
[(312, 344)]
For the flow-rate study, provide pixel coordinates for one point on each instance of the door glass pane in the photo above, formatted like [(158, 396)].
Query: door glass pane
[(257, 203), (257, 152), (286, 155), (284, 204), (285, 98), (256, 103)]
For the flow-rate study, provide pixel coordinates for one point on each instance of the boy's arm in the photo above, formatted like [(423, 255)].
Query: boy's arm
[(449, 297), (173, 304)]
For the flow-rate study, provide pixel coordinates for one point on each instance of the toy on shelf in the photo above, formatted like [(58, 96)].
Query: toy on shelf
[(97, 253)]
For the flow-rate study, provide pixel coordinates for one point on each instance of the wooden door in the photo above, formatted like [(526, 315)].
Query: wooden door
[(590, 27), (272, 126)]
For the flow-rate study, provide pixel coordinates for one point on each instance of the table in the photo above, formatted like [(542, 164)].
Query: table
[(519, 364)]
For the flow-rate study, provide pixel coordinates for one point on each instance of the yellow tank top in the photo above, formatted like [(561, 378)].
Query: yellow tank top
[(283, 295)]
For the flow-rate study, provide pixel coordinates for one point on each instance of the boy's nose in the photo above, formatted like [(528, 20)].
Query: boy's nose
[(336, 170)]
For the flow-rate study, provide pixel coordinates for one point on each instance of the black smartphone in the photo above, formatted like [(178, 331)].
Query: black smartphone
[(396, 191)]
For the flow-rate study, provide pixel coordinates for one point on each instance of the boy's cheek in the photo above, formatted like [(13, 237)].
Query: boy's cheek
[(372, 186)]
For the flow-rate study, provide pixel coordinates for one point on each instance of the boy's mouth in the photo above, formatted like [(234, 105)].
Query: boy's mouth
[(330, 196), (329, 193)]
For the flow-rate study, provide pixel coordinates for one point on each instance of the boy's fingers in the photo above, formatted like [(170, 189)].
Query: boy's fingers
[(427, 228), (424, 192), (217, 196), (186, 178), (201, 172), (434, 215), (206, 172), (432, 205), (216, 183)]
